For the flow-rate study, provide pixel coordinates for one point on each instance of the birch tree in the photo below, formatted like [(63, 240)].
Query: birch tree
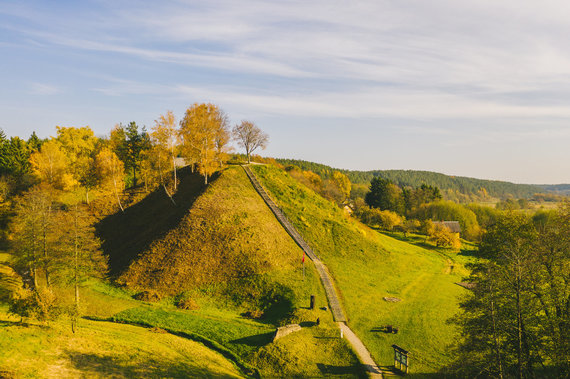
[(79, 144), (202, 132), (164, 138), (80, 253), (50, 165), (111, 173)]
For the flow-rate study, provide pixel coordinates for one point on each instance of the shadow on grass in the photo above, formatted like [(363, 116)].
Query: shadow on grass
[(128, 234), (330, 370), (257, 340), (6, 323), (326, 338), (469, 253), (109, 366)]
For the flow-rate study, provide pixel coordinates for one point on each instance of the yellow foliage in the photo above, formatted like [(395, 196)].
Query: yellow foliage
[(343, 183), (51, 166), (440, 235), (204, 133)]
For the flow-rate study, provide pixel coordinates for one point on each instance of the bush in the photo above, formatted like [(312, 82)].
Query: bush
[(410, 226), (441, 236), (40, 304), (148, 295), (375, 217), (187, 304)]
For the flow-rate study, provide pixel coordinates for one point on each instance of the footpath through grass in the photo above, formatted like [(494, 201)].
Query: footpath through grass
[(369, 266)]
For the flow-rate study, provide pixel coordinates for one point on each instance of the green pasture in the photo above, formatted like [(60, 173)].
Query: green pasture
[(368, 266)]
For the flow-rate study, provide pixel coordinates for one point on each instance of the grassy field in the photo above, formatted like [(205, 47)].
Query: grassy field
[(103, 350), (369, 266)]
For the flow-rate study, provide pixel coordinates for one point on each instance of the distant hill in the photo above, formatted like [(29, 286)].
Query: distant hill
[(559, 189), (413, 178)]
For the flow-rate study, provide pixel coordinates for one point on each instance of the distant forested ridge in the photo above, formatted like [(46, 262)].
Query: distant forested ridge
[(447, 183), (561, 189)]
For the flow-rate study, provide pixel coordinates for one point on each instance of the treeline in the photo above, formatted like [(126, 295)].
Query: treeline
[(456, 188), (53, 190), (388, 206), (516, 323)]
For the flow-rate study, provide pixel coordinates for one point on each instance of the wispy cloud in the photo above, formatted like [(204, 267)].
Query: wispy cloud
[(44, 89), (462, 72)]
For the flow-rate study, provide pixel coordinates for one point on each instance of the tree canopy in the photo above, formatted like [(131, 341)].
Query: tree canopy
[(250, 137)]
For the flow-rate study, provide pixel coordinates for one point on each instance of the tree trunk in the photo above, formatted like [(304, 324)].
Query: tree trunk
[(496, 339), (87, 195), (163, 183), (174, 169), (45, 248), (76, 270), (46, 269), (519, 326), (117, 193), (33, 269)]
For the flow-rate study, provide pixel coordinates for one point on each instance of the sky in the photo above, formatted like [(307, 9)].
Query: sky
[(477, 88)]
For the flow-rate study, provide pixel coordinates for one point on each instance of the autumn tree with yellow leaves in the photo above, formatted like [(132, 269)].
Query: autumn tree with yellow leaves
[(164, 139), (110, 172), (204, 135), (78, 144), (50, 165)]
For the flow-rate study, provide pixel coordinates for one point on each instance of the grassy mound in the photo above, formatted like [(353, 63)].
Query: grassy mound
[(227, 234), (126, 235), (231, 257), (368, 266)]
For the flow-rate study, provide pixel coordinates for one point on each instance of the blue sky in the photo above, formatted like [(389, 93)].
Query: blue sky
[(473, 87)]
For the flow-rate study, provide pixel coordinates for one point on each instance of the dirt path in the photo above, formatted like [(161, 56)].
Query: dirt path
[(361, 350), (326, 278)]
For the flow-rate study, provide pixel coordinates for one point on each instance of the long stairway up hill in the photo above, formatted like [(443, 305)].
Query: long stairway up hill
[(326, 278)]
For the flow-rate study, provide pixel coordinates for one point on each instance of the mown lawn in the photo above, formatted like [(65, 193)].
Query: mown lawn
[(369, 266)]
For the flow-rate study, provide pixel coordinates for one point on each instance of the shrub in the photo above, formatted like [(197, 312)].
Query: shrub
[(187, 304), (375, 217), (440, 235), (40, 304), (148, 295)]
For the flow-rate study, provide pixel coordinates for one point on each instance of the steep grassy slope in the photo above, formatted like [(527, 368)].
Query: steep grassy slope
[(103, 350), (230, 255), (368, 266), (128, 234), (228, 235)]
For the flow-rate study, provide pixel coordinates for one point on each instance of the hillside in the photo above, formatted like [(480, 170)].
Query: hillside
[(231, 257), (369, 266), (414, 178)]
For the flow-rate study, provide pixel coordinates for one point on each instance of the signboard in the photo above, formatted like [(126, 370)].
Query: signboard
[(401, 358)]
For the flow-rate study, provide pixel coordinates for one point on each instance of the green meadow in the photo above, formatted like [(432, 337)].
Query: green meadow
[(368, 266)]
